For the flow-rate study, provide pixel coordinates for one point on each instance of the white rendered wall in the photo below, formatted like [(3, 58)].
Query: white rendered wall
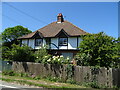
[(31, 43), (44, 42), (63, 47), (79, 40), (54, 41), (24, 41), (72, 43)]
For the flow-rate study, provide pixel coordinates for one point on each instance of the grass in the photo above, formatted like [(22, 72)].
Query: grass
[(38, 82), (23, 82)]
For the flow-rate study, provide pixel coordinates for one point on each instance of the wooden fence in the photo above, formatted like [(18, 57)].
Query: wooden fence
[(80, 74), (5, 65)]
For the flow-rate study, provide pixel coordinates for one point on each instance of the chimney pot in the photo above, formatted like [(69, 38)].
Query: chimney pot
[(60, 18)]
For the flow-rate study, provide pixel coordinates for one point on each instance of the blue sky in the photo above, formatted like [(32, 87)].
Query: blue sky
[(93, 17)]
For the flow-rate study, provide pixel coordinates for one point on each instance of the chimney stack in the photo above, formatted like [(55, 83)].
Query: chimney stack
[(60, 18)]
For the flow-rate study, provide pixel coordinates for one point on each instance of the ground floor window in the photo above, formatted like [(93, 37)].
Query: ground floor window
[(70, 55)]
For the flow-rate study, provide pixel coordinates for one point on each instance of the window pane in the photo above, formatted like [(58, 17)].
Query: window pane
[(38, 42), (62, 41)]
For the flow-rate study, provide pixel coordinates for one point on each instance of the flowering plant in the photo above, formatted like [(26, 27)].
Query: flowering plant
[(58, 60)]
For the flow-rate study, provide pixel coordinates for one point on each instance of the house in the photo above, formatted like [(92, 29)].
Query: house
[(61, 36)]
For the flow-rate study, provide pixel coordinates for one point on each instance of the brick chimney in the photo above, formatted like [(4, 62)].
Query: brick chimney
[(60, 18)]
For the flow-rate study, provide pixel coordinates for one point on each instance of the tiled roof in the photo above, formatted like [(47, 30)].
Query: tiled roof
[(52, 29)]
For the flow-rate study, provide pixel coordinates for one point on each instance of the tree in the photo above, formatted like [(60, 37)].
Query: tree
[(10, 35), (97, 50), (22, 54), (118, 53)]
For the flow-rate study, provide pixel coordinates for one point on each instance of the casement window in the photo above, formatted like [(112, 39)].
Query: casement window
[(38, 42), (63, 41)]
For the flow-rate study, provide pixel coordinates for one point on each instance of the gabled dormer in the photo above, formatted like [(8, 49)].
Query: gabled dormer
[(37, 35), (62, 38)]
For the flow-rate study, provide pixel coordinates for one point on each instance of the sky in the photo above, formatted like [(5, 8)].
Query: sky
[(92, 17)]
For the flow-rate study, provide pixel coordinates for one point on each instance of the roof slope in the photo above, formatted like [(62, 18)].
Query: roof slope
[(52, 29)]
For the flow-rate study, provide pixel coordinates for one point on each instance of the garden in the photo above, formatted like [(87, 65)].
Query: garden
[(96, 50)]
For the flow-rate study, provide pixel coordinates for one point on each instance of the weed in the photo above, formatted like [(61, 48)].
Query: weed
[(8, 72), (37, 78), (91, 84), (23, 74)]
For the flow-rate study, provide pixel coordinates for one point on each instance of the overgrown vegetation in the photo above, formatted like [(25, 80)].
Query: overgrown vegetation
[(42, 56), (17, 53), (24, 78), (9, 37), (9, 72), (99, 50)]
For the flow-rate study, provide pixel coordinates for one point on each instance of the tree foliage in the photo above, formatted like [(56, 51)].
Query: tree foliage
[(10, 35), (17, 53), (98, 50)]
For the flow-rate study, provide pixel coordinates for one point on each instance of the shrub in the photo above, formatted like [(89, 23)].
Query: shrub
[(42, 55), (98, 49), (22, 54)]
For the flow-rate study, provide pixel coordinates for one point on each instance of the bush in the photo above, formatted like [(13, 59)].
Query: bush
[(98, 50), (42, 55), (5, 53), (22, 54)]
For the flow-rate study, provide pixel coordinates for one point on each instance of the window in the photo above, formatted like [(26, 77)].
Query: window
[(69, 55), (48, 41), (63, 41), (38, 42)]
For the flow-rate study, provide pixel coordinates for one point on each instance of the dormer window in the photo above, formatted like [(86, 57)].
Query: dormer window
[(63, 41), (38, 42)]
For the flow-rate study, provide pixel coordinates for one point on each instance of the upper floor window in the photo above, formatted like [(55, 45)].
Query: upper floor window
[(63, 41), (38, 42)]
